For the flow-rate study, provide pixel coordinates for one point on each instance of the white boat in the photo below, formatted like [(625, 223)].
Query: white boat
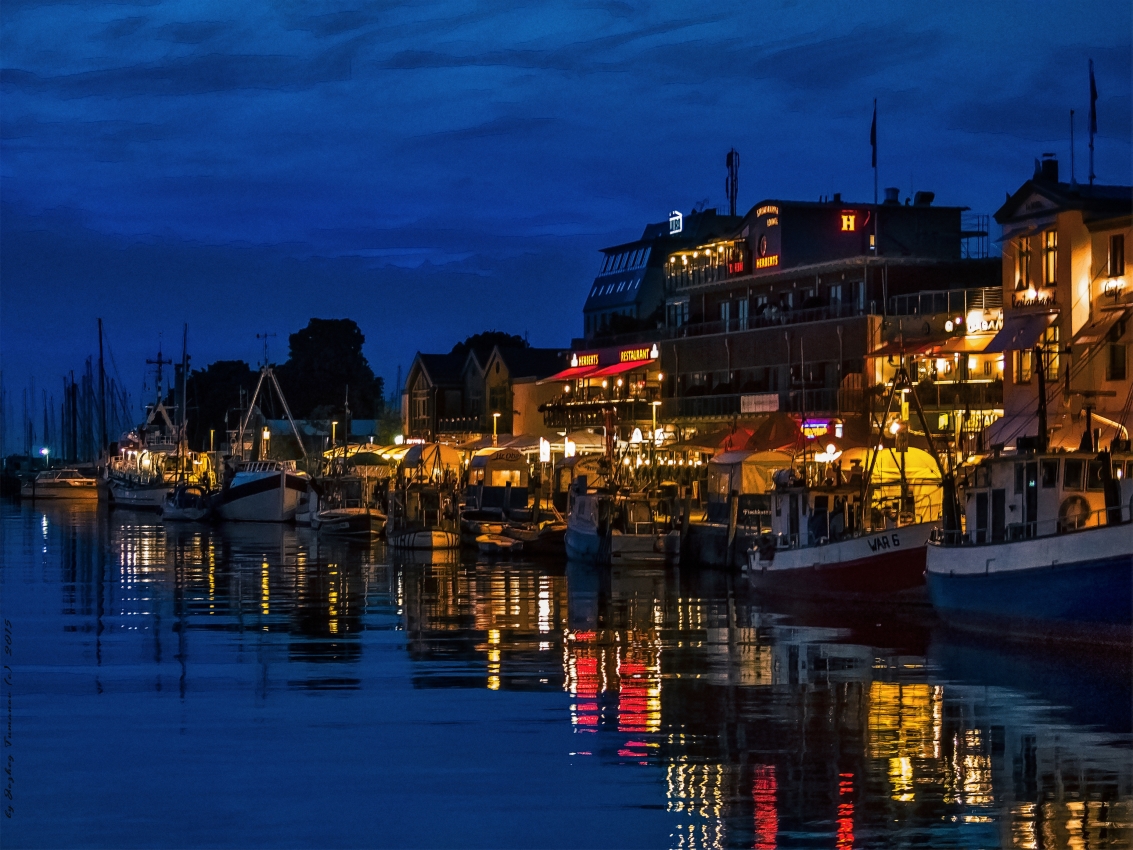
[(59, 484), (262, 491), (423, 515), (1046, 550), (608, 528)]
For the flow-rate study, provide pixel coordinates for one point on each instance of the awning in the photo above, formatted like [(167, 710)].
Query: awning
[(571, 374), (966, 344), (1099, 328), (1020, 332), (906, 347), (619, 368)]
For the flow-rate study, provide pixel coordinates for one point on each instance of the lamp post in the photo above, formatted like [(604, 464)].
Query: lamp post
[(265, 443), (495, 427)]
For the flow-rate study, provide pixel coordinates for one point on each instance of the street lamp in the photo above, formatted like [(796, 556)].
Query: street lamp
[(266, 442), (654, 405), (495, 425)]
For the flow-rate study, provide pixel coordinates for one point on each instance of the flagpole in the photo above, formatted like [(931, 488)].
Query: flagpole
[(873, 139), (1093, 118)]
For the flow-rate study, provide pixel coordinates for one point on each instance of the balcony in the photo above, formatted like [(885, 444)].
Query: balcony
[(570, 413), (809, 402), (459, 425), (938, 396)]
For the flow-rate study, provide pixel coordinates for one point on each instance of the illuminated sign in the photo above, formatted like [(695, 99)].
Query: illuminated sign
[(982, 320), (814, 428), (1031, 297), (766, 262), (577, 360), (849, 222), (631, 355), (767, 209), (676, 222), (544, 451)]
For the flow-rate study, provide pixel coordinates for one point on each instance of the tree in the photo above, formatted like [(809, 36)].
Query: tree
[(482, 343), (325, 359), (213, 392)]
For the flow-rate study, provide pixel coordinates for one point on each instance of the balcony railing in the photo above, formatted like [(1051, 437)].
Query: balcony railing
[(809, 402), (573, 413), (938, 396), (458, 424)]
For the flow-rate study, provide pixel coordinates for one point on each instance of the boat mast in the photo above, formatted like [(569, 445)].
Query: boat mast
[(1041, 444), (101, 393)]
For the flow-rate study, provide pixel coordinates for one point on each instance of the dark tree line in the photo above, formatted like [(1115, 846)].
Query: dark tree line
[(324, 360)]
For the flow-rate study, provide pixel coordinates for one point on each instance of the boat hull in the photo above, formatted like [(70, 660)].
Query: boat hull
[(498, 544), (874, 565), (587, 546), (267, 497), (350, 522), (426, 538), (141, 497), (1076, 586), (79, 491)]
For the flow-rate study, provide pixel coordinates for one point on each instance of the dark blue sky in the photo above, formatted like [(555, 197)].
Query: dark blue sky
[(435, 169)]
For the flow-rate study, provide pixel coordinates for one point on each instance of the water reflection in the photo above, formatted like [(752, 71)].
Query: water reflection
[(763, 727)]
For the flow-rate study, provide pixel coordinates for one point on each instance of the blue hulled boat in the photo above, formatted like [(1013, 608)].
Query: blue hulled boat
[(1047, 547)]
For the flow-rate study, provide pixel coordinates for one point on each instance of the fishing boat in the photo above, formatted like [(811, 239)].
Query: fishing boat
[(1046, 550), (261, 491), (495, 491), (187, 503), (265, 489), (605, 527), (345, 510), (424, 501), (860, 535), (59, 484)]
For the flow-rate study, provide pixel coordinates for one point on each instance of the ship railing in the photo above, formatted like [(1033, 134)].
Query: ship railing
[(1115, 515)]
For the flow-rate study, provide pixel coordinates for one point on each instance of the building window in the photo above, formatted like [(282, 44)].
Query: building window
[(742, 314), (420, 404), (1049, 344), (1050, 258), (725, 313), (1117, 354), (1117, 255), (1023, 264), (1022, 371)]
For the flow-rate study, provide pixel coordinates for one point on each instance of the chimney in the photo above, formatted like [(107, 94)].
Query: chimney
[(923, 199), (1048, 168), (892, 196), (837, 197)]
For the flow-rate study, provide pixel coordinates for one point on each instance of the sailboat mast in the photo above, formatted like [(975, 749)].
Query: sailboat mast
[(101, 394)]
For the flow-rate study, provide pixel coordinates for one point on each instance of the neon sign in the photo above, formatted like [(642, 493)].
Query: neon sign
[(849, 222), (631, 355), (577, 360), (676, 222), (767, 262), (767, 209)]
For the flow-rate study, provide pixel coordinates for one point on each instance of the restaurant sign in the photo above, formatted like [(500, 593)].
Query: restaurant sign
[(577, 359), (631, 355)]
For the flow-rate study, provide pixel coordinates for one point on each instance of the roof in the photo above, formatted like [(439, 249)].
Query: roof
[(441, 369), (1097, 202), (532, 362), (615, 290)]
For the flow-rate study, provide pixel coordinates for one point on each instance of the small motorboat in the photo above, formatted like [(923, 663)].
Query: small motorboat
[(423, 538), (187, 503), (543, 538), (59, 484), (350, 522), (498, 544)]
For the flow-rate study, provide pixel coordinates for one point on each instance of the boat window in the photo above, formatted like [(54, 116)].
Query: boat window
[(1072, 475), (1094, 475), (1049, 474), (639, 512)]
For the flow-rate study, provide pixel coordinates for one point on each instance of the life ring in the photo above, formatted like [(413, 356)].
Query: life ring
[(1073, 513)]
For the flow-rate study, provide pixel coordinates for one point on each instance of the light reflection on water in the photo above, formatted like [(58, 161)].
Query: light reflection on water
[(634, 707)]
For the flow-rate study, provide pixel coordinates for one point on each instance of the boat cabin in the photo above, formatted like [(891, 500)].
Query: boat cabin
[(569, 469), (748, 475), (1033, 494), (497, 480), (810, 516)]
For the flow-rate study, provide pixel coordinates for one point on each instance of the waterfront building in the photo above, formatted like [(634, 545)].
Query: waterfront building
[(802, 307), (1066, 301), (457, 396)]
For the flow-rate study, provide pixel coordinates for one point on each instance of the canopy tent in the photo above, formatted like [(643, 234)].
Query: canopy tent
[(1065, 429), (744, 472), (431, 460), (730, 439), (905, 346), (777, 431), (498, 468), (920, 471)]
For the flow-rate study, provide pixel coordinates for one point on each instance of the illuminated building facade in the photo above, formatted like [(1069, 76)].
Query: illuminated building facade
[(1065, 290)]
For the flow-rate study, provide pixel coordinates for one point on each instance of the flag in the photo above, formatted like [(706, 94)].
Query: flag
[(1093, 102), (873, 126)]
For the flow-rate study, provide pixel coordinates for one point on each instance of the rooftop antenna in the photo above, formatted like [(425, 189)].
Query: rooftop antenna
[(264, 336), (732, 183)]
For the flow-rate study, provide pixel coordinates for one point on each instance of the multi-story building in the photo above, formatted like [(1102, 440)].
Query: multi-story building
[(1067, 305), (800, 307)]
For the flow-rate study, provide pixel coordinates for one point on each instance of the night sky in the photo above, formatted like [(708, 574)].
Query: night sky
[(436, 169)]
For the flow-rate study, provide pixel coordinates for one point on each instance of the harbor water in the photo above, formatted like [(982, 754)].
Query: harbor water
[(258, 686)]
